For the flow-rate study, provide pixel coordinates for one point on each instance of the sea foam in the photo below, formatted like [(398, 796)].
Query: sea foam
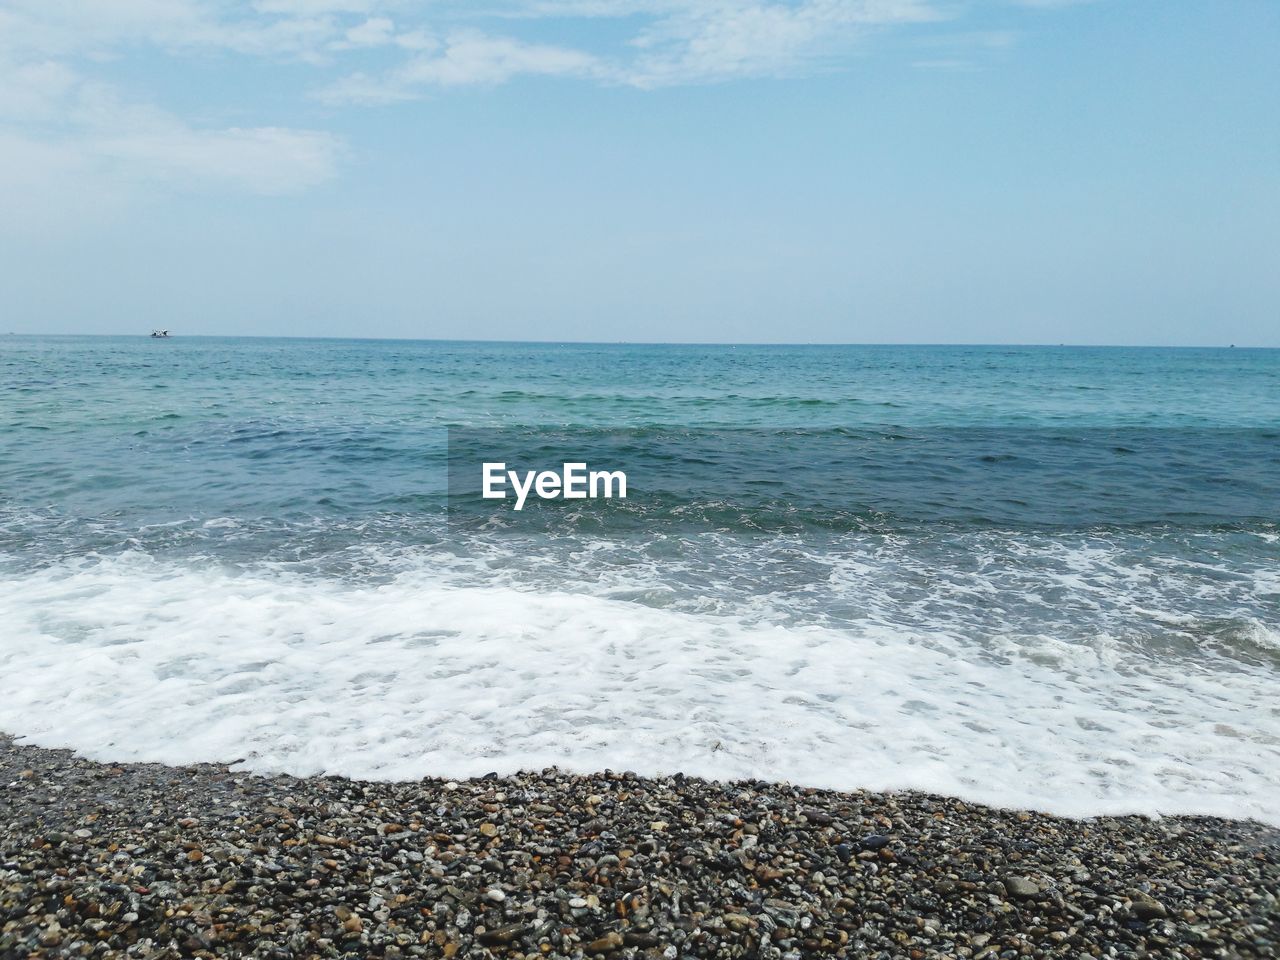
[(133, 658)]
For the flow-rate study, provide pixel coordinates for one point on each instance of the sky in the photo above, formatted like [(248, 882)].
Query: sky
[(930, 171)]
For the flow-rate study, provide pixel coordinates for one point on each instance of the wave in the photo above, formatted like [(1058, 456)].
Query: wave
[(131, 657)]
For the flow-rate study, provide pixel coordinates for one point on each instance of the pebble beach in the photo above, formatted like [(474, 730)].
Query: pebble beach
[(604, 480), (145, 860)]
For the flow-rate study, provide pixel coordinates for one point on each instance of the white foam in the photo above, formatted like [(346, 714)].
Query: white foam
[(128, 658), (1263, 635)]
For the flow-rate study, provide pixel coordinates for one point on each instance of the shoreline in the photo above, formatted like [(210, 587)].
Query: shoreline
[(145, 860)]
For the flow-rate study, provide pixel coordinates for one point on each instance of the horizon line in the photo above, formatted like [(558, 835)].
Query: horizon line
[(659, 343)]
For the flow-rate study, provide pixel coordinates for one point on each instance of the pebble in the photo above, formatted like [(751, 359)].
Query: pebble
[(199, 861), (606, 944), (1144, 908), (1021, 888)]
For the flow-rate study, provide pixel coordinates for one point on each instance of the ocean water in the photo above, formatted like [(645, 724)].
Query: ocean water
[(1042, 577)]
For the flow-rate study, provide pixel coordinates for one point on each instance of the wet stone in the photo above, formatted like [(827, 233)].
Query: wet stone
[(202, 862)]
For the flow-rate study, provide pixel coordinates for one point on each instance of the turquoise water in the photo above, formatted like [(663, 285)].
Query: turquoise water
[(130, 431), (855, 566)]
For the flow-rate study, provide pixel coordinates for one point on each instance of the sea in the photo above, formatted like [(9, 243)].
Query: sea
[(1035, 577)]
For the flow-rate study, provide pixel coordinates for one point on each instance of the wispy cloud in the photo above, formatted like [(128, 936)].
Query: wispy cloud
[(674, 42), (701, 42), (963, 50), (52, 119), (462, 59), (305, 30), (264, 160), (56, 103), (59, 124)]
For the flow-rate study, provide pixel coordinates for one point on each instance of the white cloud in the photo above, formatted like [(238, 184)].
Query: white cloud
[(62, 128), (466, 58), (679, 42), (60, 131), (671, 41), (33, 90), (265, 160), (63, 27), (963, 51), (712, 41), (374, 32), (475, 58), (451, 43), (57, 119), (283, 29)]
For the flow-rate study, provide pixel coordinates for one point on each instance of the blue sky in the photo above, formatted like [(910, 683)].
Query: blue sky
[(1040, 171)]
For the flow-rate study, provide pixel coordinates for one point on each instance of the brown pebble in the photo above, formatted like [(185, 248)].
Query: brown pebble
[(607, 943)]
